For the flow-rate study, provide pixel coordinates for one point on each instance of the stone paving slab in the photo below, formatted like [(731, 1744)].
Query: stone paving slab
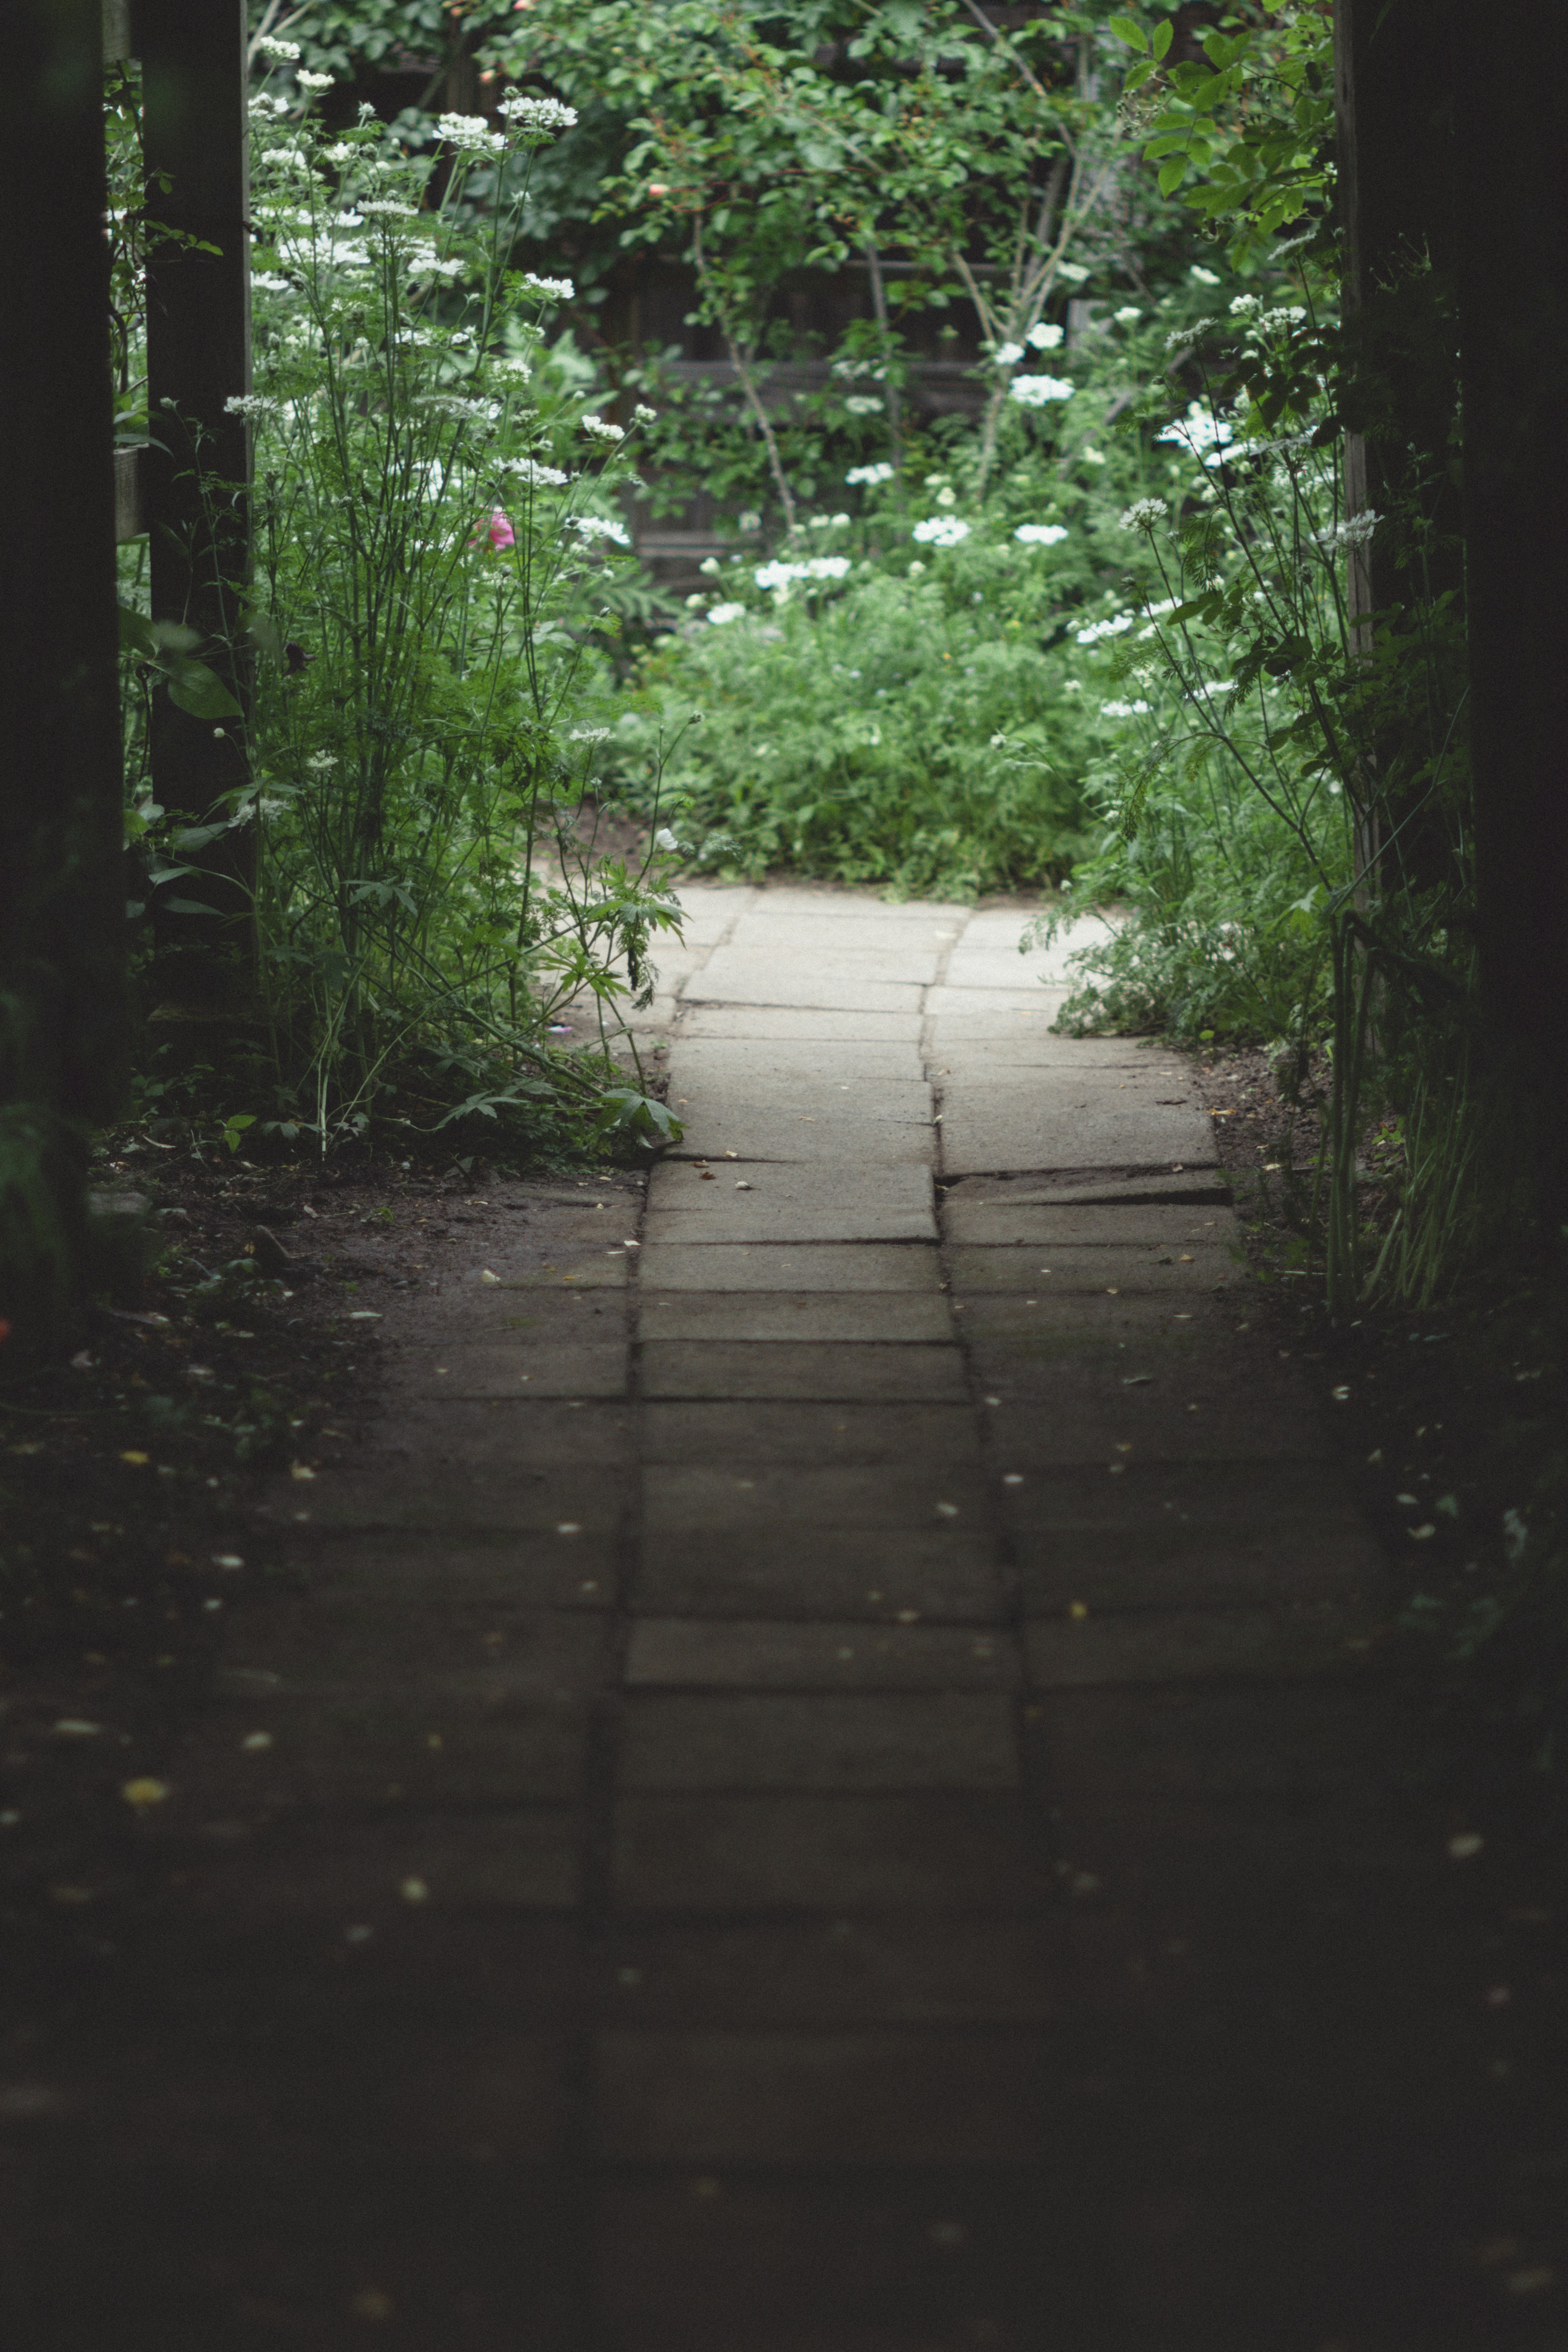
[(1053, 1324), (440, 1499), (438, 1571), (1269, 1739), (347, 1874), (682, 1653), (870, 2098), (866, 1371), (882, 1575), (939, 1436), (1158, 1645), (799, 1314), (1192, 1188), (1036, 1125), (839, 985), (811, 1028), (524, 1366), (1056, 1411), (849, 1203), (891, 1137), (709, 909), (340, 1641), (742, 1497), (795, 1064), (992, 1224), (872, 1740), (835, 1855), (837, 1267), (1268, 1565), (883, 1969), (1119, 1270)]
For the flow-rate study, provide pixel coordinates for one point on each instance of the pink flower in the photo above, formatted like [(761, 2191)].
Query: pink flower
[(502, 533)]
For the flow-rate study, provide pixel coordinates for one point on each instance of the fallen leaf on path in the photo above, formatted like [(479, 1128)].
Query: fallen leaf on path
[(141, 1793)]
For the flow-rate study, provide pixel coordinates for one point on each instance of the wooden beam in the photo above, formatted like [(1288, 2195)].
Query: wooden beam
[(195, 486), (62, 892)]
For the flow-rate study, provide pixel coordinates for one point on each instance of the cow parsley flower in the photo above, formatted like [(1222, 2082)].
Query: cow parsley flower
[(281, 52), (643, 414), (1112, 627), (511, 365), (537, 118), (1143, 514), (722, 615), (262, 281), (1123, 710), (308, 81), (592, 527), (1034, 390), (826, 523), (1041, 534), (264, 108), (869, 473), (551, 289), (865, 403), (600, 428), (828, 567), (387, 208), (1007, 354), (1128, 316), (256, 407), (1201, 277), (1200, 431), (778, 575), (537, 476), (1246, 306), (1073, 271), (940, 530), (470, 134), (1355, 531), (1043, 337)]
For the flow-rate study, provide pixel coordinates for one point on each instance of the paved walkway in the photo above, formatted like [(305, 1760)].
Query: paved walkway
[(821, 1801)]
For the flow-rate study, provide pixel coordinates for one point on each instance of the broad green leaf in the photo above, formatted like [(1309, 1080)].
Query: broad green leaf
[(199, 690), (1128, 29)]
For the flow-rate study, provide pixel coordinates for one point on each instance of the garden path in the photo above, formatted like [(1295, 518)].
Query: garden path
[(823, 1798)]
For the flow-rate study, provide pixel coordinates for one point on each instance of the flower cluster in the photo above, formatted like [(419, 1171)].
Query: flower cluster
[(601, 429), (280, 52), (553, 289), (255, 407), (1042, 337), (308, 81), (537, 476), (940, 530), (722, 614), (1096, 630), (865, 403), (1123, 710), (592, 527), (882, 472), (1144, 513), (1353, 532), (1035, 391), (1041, 534), (470, 134), (778, 575), (538, 118), (1202, 433)]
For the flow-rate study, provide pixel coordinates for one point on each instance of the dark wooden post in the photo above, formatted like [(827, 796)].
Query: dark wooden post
[(1513, 310), (62, 891), (196, 485)]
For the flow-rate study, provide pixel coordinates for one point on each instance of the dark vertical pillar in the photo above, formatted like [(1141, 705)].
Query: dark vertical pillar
[(62, 905), (1513, 307), (194, 71)]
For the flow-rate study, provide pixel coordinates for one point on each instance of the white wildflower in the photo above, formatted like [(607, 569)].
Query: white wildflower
[(1123, 710), (321, 761), (590, 734), (665, 839), (940, 530), (1201, 277), (1246, 306), (1043, 337), (540, 118), (1218, 686), (947, 497), (778, 575), (865, 403), (553, 289), (593, 527), (869, 473), (1199, 431), (263, 282), (1034, 390), (470, 134), (748, 521), (916, 568), (1041, 534), (511, 365), (642, 414), (343, 151), (256, 407), (537, 476), (1128, 316), (722, 614), (1096, 630), (1143, 514), (348, 220), (1007, 354), (1276, 322), (308, 81), (1090, 456), (282, 52), (426, 262), (828, 567), (601, 429), (264, 109), (1073, 271), (711, 566), (1353, 532), (387, 208)]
